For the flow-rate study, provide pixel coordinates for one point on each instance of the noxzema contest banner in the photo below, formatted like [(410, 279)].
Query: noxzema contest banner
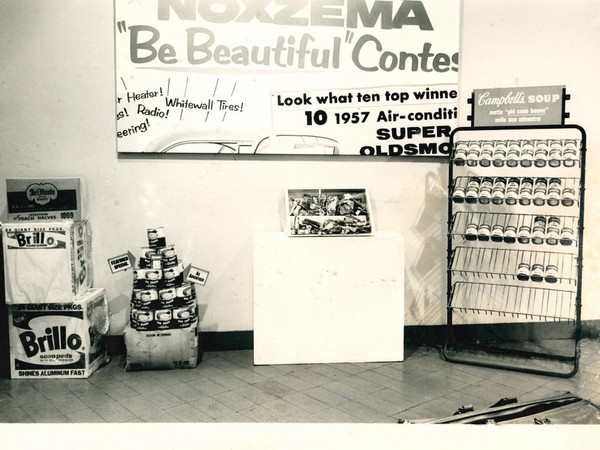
[(286, 77)]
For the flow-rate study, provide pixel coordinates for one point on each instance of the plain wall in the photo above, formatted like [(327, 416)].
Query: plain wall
[(57, 118)]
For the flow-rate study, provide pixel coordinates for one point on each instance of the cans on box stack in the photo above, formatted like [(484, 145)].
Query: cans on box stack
[(161, 299)]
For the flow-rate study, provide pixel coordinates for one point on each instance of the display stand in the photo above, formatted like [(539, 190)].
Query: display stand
[(328, 299), (163, 328), (515, 247)]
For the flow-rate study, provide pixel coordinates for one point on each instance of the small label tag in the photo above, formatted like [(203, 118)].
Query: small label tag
[(120, 263), (196, 275)]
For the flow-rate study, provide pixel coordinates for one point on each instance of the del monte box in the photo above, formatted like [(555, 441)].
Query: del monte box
[(42, 199)]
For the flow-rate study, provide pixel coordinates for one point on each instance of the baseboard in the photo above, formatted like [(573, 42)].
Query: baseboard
[(434, 335), (210, 341), (214, 341)]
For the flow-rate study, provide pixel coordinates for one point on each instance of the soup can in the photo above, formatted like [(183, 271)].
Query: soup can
[(142, 320), (570, 153), (484, 232), (510, 234), (173, 276), (183, 317), (523, 271), (526, 158), (537, 272), (186, 294), (146, 278), (458, 196), (168, 256), (163, 318), (497, 234), (551, 273), (156, 237), (167, 297), (566, 236), (499, 156), (568, 197), (144, 299), (460, 153), (524, 234), (555, 153), (540, 153)]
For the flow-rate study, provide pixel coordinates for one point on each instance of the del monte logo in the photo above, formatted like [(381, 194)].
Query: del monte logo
[(42, 193)]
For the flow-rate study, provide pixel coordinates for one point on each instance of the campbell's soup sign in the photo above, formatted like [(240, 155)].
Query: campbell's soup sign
[(519, 106)]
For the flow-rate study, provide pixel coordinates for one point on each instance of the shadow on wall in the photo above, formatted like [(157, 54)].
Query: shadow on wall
[(118, 309), (591, 330), (426, 277)]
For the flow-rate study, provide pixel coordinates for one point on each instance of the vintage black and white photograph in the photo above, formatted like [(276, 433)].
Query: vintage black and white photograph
[(289, 224)]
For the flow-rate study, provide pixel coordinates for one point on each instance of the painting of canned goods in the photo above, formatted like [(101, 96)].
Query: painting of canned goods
[(328, 212)]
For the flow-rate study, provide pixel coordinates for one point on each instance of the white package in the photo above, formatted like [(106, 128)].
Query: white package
[(46, 262)]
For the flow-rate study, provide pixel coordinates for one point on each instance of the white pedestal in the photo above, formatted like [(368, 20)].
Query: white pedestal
[(328, 299)]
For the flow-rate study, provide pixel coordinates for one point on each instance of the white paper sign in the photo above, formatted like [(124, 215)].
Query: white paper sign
[(196, 275)]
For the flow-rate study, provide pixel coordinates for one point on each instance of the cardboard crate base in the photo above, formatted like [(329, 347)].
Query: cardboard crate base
[(163, 349)]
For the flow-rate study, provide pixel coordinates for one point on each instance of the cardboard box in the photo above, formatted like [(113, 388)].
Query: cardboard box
[(44, 199), (161, 349), (59, 340), (46, 262)]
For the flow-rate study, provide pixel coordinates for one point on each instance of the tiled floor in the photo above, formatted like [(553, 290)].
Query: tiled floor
[(226, 387)]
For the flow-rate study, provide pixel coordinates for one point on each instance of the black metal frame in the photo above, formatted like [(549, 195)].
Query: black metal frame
[(451, 342)]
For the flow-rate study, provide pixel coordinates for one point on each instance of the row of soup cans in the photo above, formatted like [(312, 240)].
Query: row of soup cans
[(170, 297), (158, 258), (151, 278), (163, 319)]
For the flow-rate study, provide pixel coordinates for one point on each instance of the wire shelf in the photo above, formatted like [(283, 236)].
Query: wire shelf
[(509, 228), (542, 153), (515, 265), (525, 302), (511, 191), (516, 197)]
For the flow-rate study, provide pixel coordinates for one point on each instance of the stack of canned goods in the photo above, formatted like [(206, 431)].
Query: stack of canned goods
[(510, 229), (515, 152), (537, 272), (511, 191), (161, 299), (549, 230)]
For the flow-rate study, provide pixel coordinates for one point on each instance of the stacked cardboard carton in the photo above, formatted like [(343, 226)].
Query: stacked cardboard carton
[(58, 323), (163, 328)]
